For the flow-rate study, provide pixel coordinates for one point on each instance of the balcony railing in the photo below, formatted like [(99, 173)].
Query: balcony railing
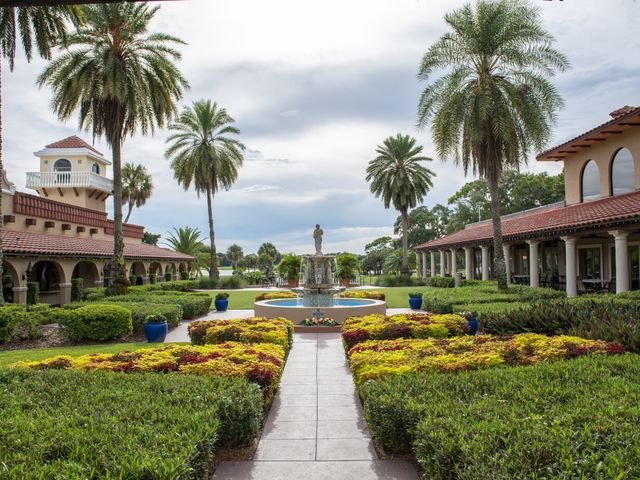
[(37, 180)]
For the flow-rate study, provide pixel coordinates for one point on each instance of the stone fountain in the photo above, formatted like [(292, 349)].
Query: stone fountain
[(318, 287)]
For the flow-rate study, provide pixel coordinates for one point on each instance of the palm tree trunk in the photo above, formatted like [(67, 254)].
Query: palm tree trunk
[(1, 215), (213, 269), (499, 266), (126, 220), (405, 242), (119, 282)]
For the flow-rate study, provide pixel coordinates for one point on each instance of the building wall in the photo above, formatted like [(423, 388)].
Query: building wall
[(602, 153)]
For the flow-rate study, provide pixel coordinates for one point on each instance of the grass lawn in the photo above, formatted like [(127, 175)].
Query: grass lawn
[(239, 299), (12, 356)]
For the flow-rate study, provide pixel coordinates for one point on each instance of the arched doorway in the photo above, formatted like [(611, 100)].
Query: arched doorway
[(183, 268), (10, 279), (169, 272), (48, 275), (155, 272), (88, 272), (137, 272)]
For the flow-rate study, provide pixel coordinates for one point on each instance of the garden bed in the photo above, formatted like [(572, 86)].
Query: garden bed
[(78, 425)]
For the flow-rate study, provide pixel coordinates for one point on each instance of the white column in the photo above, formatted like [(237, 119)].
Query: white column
[(454, 262), (570, 262), (432, 254), (418, 269), (534, 273), (622, 260), (485, 262), (506, 250), (425, 270), (468, 266), (442, 264)]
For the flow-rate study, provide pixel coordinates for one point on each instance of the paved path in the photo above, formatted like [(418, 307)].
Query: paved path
[(315, 429)]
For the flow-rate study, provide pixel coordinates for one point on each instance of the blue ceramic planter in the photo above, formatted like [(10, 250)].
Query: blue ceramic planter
[(221, 304), (156, 332), (415, 303), (473, 326)]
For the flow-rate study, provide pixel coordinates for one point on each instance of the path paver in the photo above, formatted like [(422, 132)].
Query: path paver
[(315, 428)]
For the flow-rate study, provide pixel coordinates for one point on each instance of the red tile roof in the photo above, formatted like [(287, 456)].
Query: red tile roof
[(72, 142), (624, 118), (600, 214), (16, 242)]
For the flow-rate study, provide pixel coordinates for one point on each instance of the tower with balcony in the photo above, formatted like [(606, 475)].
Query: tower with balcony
[(73, 172)]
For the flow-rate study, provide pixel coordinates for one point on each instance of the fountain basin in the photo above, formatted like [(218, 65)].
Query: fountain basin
[(293, 309)]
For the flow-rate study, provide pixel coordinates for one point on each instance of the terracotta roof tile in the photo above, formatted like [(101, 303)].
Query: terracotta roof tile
[(72, 142), (603, 213), (16, 242)]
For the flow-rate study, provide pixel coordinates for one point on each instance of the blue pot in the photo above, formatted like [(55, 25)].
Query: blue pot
[(415, 303), (156, 332), (473, 326), (221, 304)]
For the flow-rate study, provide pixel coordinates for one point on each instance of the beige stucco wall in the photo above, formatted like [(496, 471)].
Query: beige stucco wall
[(602, 153), (79, 163)]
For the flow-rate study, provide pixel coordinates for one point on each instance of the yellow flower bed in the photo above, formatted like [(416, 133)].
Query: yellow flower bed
[(275, 296), (377, 359), (261, 363), (363, 294), (415, 325), (278, 331)]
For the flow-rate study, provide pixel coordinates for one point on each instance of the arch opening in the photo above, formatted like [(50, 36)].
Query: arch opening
[(622, 172), (590, 181)]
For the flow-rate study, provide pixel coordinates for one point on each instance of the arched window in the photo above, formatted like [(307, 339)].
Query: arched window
[(62, 165), (95, 168), (590, 181), (622, 172)]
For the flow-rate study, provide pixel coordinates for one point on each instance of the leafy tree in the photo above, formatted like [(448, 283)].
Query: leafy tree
[(522, 191), (122, 80), (381, 243), (422, 226), (494, 101), (35, 28), (204, 152), (234, 254), (136, 186), (348, 265), (397, 176), (249, 261), (265, 264), (393, 262), (374, 260), (270, 249), (151, 238), (289, 266)]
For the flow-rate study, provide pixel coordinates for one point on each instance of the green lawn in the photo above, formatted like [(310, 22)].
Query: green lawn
[(12, 356)]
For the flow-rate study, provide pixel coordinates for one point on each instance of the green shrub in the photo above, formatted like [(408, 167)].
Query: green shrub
[(441, 282), (77, 289), (254, 278), (207, 283), (100, 425), (94, 294), (33, 293), (193, 304), (603, 318), (98, 322), (571, 419), (16, 322), (184, 275), (180, 285), (9, 315), (233, 282), (172, 314), (397, 281), (436, 305)]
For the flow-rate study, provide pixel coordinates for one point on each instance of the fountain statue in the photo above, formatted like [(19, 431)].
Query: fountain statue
[(318, 286)]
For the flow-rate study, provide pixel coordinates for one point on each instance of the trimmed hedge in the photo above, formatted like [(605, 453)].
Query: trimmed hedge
[(397, 281), (278, 331), (610, 318), (371, 295), (97, 322), (571, 419), (78, 425), (193, 304)]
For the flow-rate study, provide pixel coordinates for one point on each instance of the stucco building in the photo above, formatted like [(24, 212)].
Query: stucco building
[(591, 241), (63, 232)]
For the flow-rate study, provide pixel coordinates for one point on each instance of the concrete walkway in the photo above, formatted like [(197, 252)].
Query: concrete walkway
[(315, 429)]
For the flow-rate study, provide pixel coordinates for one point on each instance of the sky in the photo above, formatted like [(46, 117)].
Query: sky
[(314, 87)]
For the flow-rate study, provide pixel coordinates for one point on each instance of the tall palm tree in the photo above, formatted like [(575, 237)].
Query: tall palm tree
[(494, 100), (205, 154), (122, 80), (136, 186), (188, 240), (234, 254), (39, 28), (397, 176)]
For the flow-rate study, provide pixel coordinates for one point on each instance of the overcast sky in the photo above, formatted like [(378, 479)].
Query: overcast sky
[(314, 87)]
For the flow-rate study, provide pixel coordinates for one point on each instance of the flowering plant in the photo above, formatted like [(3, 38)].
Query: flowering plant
[(363, 294), (319, 322), (275, 296), (278, 331)]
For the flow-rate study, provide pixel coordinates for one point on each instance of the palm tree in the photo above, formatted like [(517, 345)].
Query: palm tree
[(188, 240), (397, 176), (34, 27), (494, 100), (234, 254), (122, 80), (205, 153), (136, 186)]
